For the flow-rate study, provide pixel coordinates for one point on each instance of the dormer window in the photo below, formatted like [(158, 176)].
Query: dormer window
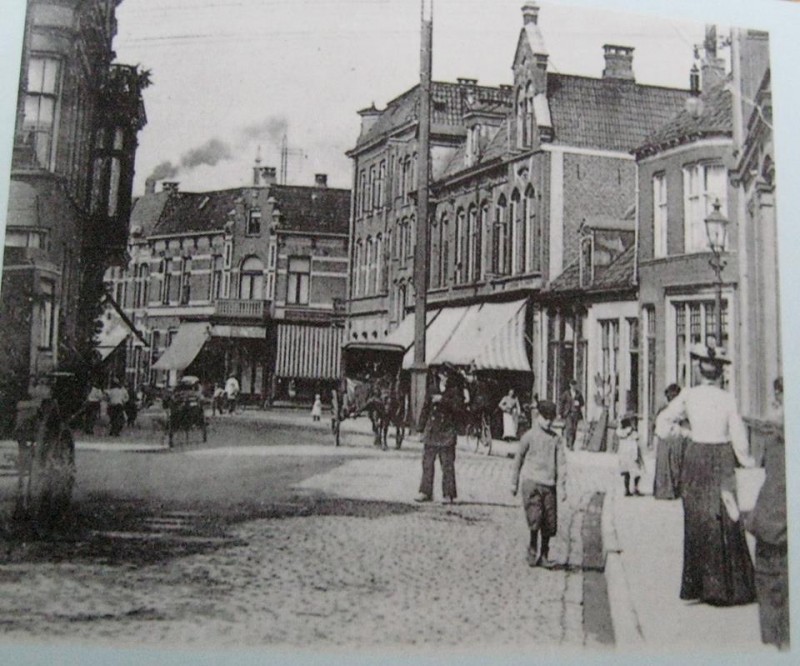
[(254, 223), (587, 262)]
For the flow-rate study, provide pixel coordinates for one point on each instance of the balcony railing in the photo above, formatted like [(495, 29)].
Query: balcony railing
[(237, 308)]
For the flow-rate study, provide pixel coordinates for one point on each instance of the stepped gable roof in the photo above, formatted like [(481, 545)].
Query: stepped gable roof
[(715, 119), (617, 275), (448, 104), (187, 212), (147, 211), (322, 209), (608, 114)]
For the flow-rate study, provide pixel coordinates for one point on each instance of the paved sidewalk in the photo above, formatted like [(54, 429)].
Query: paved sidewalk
[(643, 540)]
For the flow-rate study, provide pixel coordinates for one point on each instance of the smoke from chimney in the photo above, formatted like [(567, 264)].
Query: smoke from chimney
[(211, 152)]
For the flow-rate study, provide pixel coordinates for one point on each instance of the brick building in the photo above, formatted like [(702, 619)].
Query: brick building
[(683, 170), (75, 139), (246, 282), (517, 171)]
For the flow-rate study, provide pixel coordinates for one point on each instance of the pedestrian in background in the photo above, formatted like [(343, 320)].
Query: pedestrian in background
[(232, 393), (316, 408), (716, 562), (671, 440), (767, 522), (629, 456), (117, 397), (441, 413), (541, 456), (509, 405), (93, 407), (571, 410), (217, 399)]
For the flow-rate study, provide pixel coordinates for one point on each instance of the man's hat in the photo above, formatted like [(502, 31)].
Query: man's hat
[(546, 409), (709, 354)]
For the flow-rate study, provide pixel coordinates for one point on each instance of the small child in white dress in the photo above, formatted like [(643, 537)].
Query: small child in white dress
[(316, 409), (630, 460)]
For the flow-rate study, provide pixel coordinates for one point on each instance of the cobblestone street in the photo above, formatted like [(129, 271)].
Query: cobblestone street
[(335, 554)]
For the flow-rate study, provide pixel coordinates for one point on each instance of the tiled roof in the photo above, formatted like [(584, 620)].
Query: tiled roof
[(147, 211), (448, 104), (320, 209), (715, 119), (608, 114), (185, 212), (495, 148), (617, 275)]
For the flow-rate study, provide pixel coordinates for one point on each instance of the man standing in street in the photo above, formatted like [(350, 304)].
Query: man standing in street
[(571, 409), (117, 399), (232, 393), (443, 408)]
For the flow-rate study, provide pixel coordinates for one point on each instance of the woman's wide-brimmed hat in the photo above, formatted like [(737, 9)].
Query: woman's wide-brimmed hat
[(709, 354)]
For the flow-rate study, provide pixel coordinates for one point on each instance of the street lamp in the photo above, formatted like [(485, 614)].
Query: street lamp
[(717, 231)]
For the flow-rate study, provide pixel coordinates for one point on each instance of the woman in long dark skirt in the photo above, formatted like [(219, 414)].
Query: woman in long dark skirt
[(716, 563), (672, 439)]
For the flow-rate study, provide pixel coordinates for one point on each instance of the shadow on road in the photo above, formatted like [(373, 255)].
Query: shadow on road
[(105, 530)]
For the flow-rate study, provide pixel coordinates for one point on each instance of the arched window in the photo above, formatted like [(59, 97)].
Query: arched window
[(400, 302), (522, 138), (532, 246), (251, 279), (474, 246), (515, 247), (410, 237), (444, 250), (460, 249), (356, 269), (378, 263), (500, 236), (369, 267), (529, 113), (485, 232)]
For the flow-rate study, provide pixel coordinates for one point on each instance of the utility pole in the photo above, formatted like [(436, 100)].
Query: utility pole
[(419, 371)]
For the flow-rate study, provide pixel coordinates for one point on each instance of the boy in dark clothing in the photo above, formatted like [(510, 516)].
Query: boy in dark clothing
[(541, 453)]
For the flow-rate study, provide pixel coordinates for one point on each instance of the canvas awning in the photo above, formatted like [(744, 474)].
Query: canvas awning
[(491, 332), (492, 335), (185, 347), (310, 352), (110, 339)]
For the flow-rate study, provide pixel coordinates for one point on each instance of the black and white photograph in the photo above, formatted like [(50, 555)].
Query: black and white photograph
[(394, 327)]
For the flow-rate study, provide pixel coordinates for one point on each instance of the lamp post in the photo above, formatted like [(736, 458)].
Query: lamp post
[(717, 231)]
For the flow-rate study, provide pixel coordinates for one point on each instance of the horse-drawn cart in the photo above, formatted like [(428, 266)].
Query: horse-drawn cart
[(372, 383), (185, 409)]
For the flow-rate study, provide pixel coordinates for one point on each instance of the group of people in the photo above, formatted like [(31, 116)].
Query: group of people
[(701, 441), (225, 398), (122, 407)]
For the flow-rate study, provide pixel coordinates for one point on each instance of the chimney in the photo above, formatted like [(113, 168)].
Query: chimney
[(170, 186), (150, 186), (530, 13), (321, 179), (713, 68), (257, 169), (619, 62), (264, 175), (369, 117)]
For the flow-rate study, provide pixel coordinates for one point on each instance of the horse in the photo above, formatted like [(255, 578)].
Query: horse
[(383, 401)]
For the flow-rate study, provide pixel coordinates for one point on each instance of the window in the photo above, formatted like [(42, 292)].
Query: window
[(566, 350), (381, 184), (586, 265), (41, 102), (377, 263), (216, 278), (632, 402), (516, 247), (372, 198), (461, 247), (362, 199), (254, 223), (609, 343), (369, 262), (251, 279), (411, 240), (474, 252), (356, 269), (650, 380), (532, 242), (46, 314), (702, 185), (501, 230), (27, 238), (659, 215), (186, 281), (444, 250), (695, 323), (297, 287), (166, 280)]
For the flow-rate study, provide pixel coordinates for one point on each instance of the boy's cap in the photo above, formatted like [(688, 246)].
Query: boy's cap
[(546, 409)]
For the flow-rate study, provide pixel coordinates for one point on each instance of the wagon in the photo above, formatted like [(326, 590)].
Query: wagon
[(185, 409)]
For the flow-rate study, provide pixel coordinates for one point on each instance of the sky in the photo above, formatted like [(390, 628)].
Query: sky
[(232, 75)]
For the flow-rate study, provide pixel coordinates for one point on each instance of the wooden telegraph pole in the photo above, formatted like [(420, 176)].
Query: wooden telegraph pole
[(419, 370)]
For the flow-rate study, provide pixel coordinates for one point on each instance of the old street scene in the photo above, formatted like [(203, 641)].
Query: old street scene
[(322, 344)]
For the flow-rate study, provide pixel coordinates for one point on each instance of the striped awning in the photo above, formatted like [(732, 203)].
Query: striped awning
[(506, 349), (493, 333), (440, 329), (309, 352)]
